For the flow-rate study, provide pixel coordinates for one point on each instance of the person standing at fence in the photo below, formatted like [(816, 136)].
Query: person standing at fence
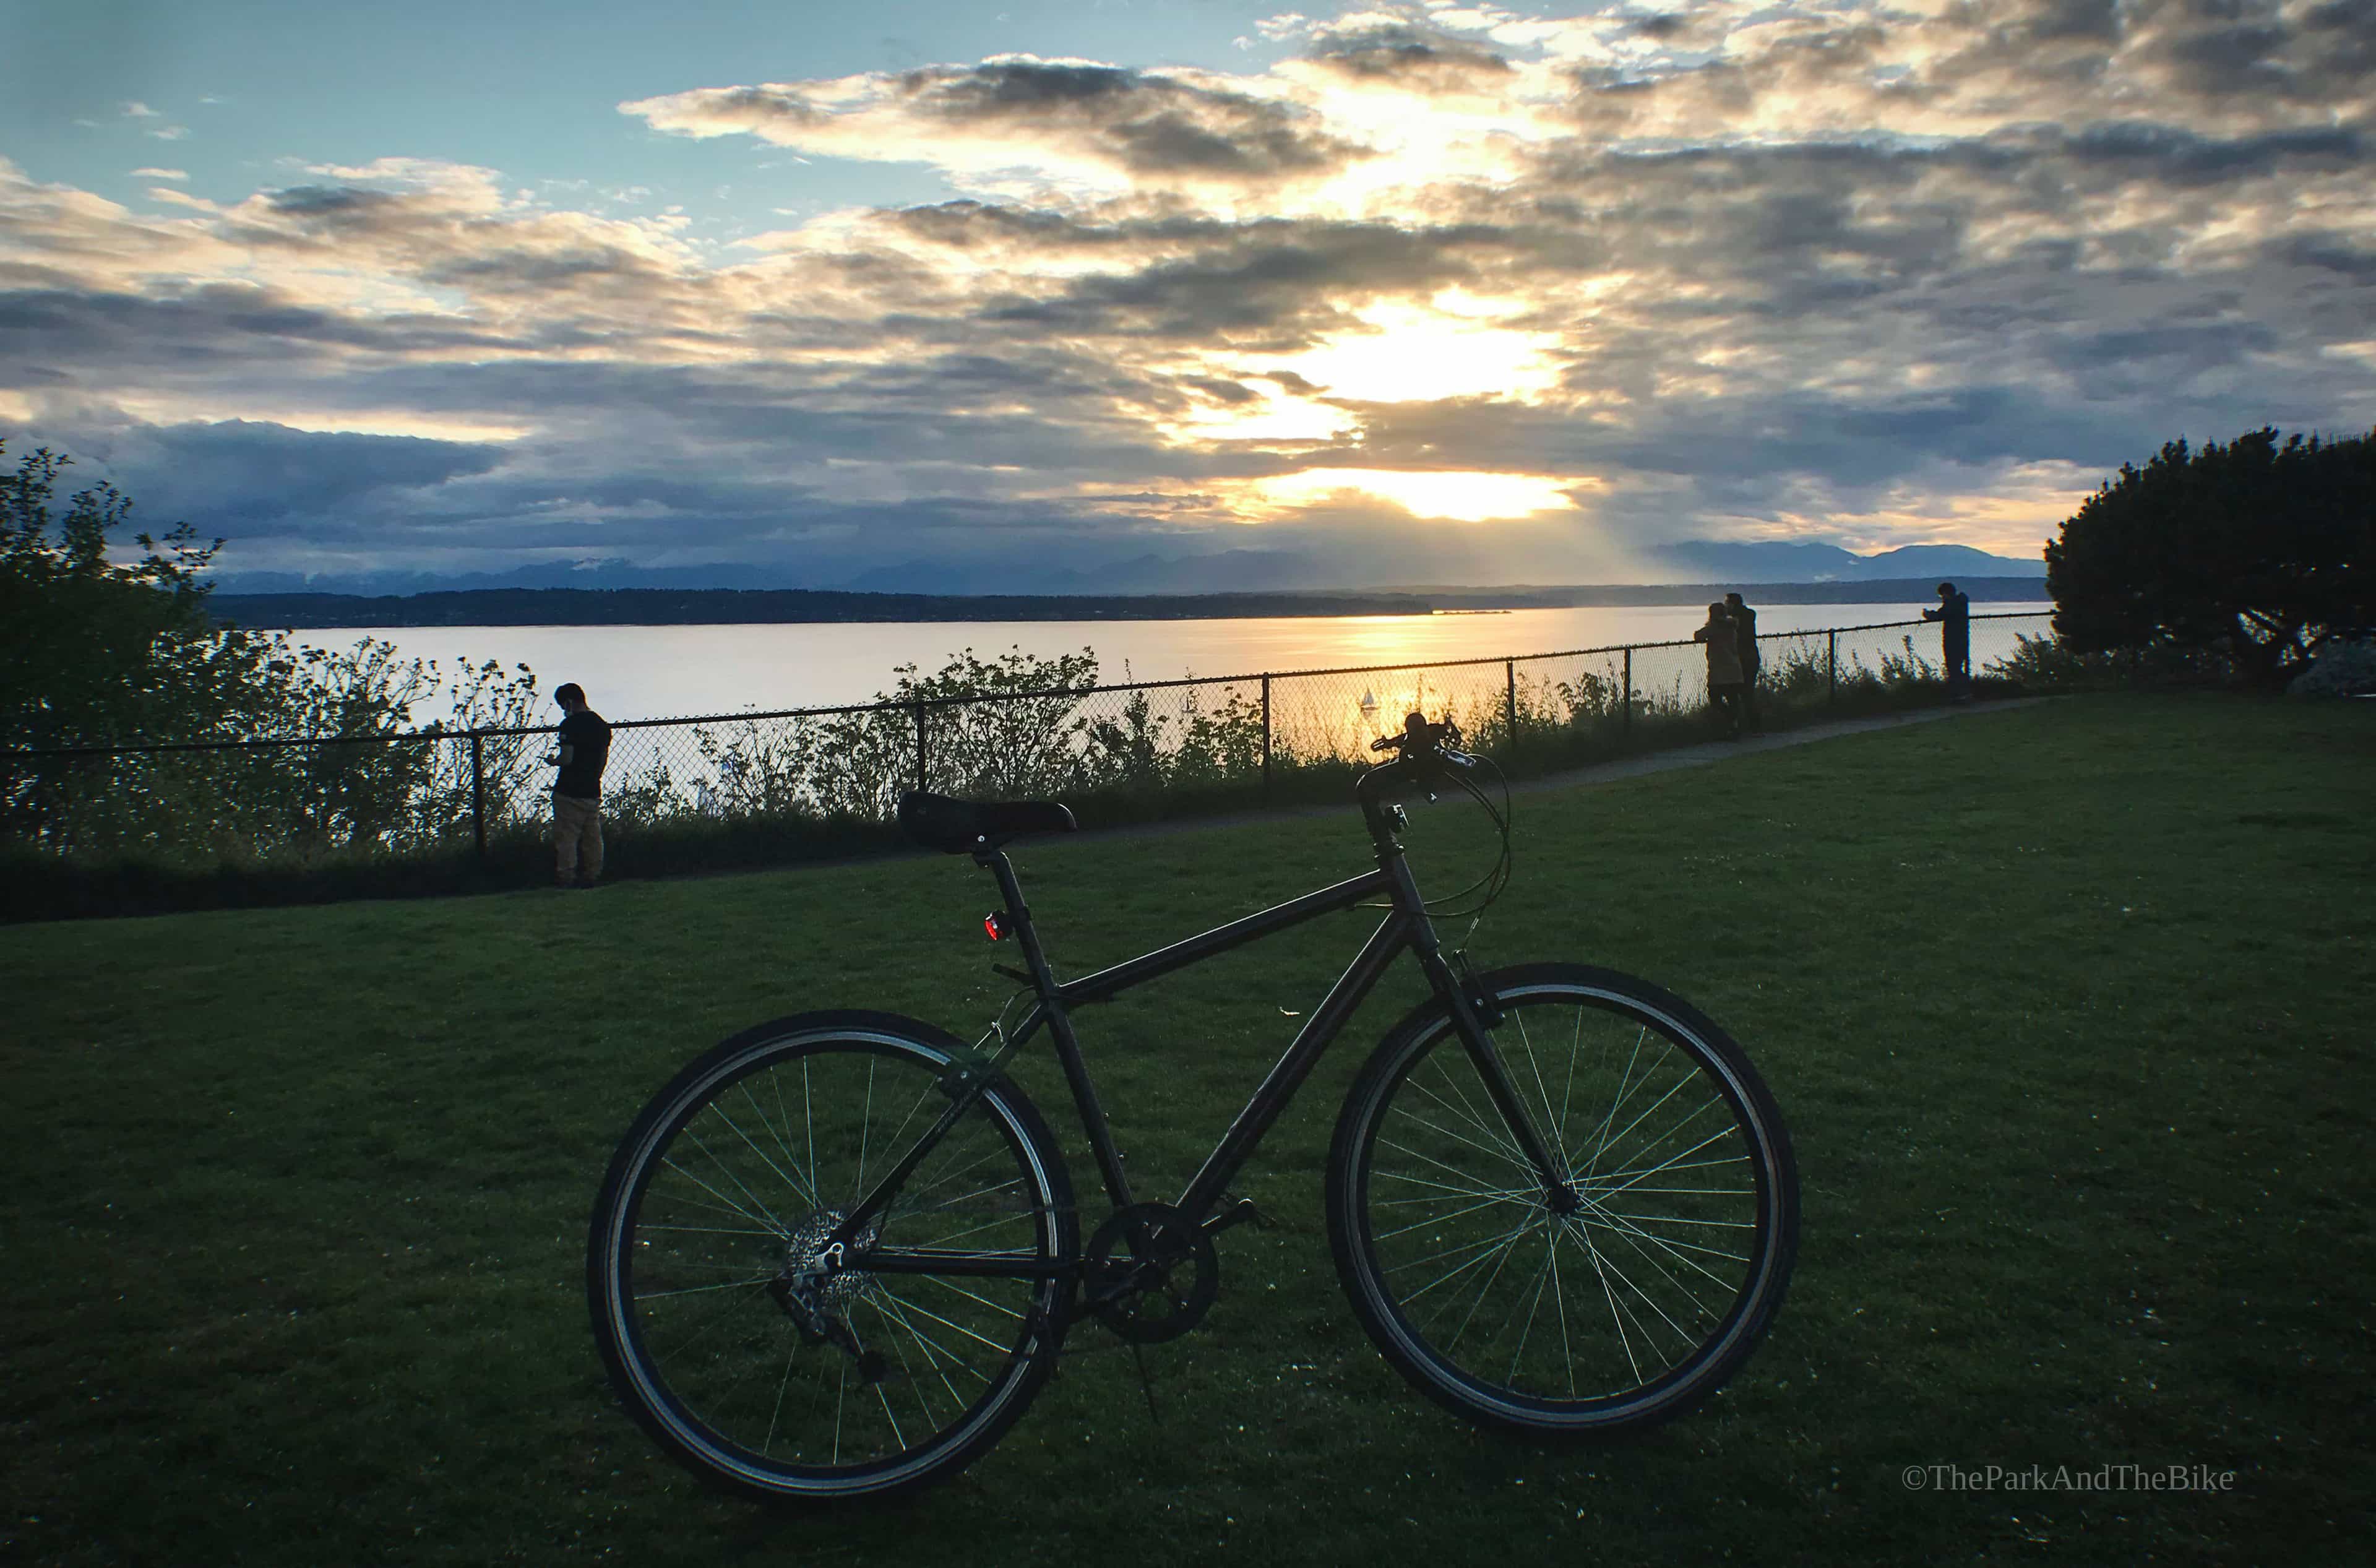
[(1744, 629), (584, 749), (1723, 670), (1954, 615)]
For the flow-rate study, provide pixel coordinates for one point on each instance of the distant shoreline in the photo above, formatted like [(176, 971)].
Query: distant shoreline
[(710, 607)]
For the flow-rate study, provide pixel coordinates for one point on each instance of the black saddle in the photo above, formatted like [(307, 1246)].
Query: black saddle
[(956, 827)]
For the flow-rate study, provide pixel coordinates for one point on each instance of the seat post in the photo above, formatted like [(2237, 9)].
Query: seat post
[(1017, 912)]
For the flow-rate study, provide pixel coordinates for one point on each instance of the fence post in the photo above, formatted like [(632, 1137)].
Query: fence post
[(479, 792), (921, 774), (1625, 711), (1832, 669), (1510, 671), (1265, 737)]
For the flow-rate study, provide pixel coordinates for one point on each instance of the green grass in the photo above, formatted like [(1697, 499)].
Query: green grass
[(2067, 1007)]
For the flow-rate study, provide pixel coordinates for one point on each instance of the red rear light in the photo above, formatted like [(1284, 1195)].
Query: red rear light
[(995, 926)]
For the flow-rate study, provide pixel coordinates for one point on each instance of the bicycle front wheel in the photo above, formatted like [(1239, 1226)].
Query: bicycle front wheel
[(771, 1369), (1546, 1317)]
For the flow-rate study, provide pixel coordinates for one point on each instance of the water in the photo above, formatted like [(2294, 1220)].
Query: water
[(669, 671)]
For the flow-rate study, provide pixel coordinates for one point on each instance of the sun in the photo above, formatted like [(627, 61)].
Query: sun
[(1455, 345), (1453, 496), (1404, 353)]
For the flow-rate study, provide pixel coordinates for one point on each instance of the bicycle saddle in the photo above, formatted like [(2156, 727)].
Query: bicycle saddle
[(956, 828)]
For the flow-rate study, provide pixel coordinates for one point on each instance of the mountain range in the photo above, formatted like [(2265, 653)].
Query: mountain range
[(1229, 571)]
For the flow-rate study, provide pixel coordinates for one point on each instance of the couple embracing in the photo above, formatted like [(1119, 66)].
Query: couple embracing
[(1731, 639)]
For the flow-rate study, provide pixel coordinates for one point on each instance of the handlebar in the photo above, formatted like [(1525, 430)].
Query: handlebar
[(1421, 738), (1422, 752)]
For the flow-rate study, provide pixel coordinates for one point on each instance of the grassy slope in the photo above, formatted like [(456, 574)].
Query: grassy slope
[(2067, 1007)]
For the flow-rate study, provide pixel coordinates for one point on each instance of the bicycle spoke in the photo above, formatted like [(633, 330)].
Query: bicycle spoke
[(761, 1153), (731, 1205), (698, 1289), (1439, 1219), (765, 1212), (1475, 1118), (1534, 1066), (1423, 1122), (1501, 1260)]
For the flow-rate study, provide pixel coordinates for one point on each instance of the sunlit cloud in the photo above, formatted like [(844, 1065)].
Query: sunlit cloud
[(2010, 512), (1452, 496)]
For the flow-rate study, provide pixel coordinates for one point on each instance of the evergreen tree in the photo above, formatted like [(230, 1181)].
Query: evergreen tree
[(2258, 551)]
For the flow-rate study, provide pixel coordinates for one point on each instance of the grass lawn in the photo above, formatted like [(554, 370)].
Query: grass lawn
[(2068, 1008)]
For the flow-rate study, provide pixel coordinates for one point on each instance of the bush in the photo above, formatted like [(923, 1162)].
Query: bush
[(2340, 670), (2050, 664)]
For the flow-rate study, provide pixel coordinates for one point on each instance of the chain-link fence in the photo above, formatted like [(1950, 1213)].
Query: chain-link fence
[(409, 793)]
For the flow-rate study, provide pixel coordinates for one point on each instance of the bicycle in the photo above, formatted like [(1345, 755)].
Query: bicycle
[(838, 1255)]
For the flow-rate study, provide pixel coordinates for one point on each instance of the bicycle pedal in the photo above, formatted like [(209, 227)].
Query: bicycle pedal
[(1242, 1212)]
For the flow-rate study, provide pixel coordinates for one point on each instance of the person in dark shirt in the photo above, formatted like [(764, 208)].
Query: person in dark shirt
[(1955, 616), (585, 747), (1744, 626), (1723, 670)]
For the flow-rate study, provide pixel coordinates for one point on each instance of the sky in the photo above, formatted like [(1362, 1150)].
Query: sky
[(912, 289)]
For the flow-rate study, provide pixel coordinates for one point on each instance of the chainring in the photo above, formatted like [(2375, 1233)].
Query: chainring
[(1134, 1270)]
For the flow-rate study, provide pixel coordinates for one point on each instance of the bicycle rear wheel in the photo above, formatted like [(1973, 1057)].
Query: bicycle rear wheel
[(1615, 1316), (725, 1334)]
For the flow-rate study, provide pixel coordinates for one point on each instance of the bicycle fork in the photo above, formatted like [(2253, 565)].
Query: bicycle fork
[(1467, 1007)]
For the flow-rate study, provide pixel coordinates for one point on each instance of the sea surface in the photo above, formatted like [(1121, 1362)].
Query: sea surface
[(673, 672)]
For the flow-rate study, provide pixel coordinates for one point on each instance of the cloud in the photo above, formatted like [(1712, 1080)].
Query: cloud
[(1061, 118), (1411, 57), (251, 479), (1593, 281), (161, 173)]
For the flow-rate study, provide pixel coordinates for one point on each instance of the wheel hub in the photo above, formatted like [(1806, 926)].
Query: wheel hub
[(813, 1269)]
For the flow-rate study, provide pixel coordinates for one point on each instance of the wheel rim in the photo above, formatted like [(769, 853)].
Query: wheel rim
[(1627, 1304), (748, 1174)]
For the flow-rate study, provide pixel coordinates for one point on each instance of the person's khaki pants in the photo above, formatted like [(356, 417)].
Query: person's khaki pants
[(577, 838)]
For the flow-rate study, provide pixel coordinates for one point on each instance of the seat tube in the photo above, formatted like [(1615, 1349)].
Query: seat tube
[(1474, 1037), (1060, 1029)]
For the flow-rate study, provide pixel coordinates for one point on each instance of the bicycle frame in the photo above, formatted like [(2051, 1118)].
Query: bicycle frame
[(1406, 926)]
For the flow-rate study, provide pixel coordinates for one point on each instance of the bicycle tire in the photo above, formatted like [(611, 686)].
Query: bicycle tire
[(1427, 1194), (775, 1129)]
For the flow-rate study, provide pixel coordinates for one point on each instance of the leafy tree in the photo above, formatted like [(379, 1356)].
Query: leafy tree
[(97, 652), (2257, 550), (94, 652)]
